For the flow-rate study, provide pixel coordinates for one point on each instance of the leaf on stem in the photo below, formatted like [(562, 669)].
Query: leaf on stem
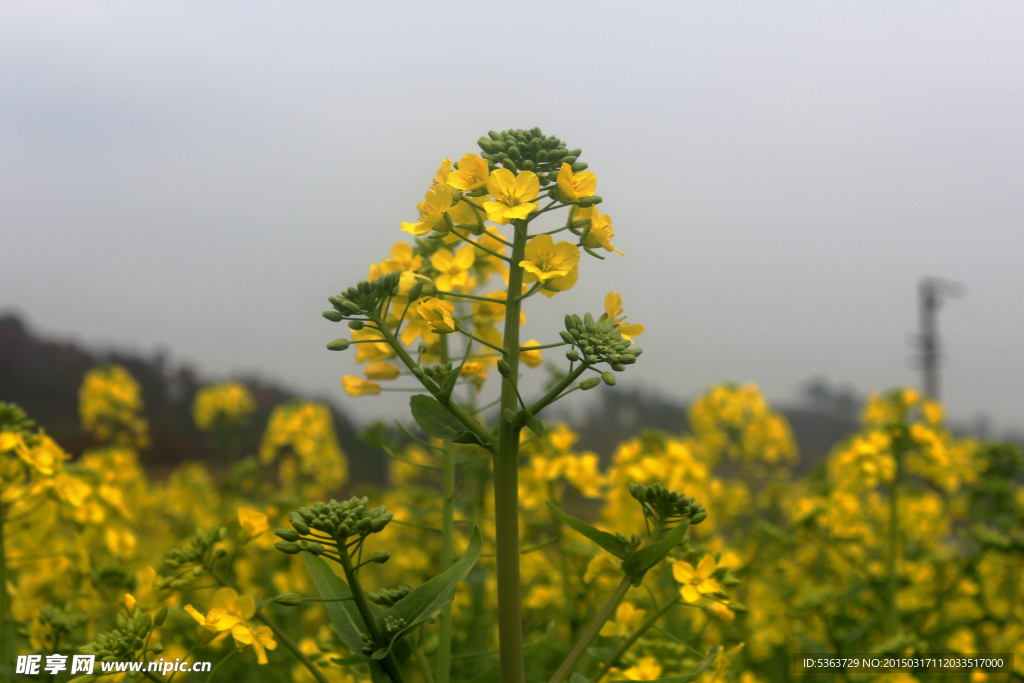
[(616, 546), (424, 600), (639, 562), (434, 419)]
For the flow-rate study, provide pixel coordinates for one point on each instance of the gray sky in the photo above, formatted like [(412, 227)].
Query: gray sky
[(199, 177)]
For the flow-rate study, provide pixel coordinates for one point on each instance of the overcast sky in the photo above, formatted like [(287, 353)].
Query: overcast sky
[(199, 177)]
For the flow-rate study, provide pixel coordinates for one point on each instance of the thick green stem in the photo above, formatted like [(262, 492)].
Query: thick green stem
[(444, 636), (506, 484), (629, 642), (595, 627), (363, 605)]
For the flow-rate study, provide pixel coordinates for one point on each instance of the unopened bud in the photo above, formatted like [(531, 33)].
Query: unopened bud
[(504, 369), (289, 548), (589, 383), (289, 599), (572, 355), (339, 345), (160, 616), (380, 557), (608, 378), (287, 535), (333, 316), (355, 324), (586, 202)]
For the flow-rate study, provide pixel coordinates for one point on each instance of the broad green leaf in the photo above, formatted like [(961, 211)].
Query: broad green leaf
[(645, 558), (344, 615), (578, 678), (535, 425), (424, 600), (691, 675), (613, 544), (469, 437), (434, 419), (378, 674), (601, 653)]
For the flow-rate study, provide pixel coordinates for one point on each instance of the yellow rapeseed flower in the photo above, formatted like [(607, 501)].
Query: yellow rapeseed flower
[(546, 260), (472, 173), (441, 177), (600, 233), (647, 669), (696, 582), (573, 186), (438, 314), (432, 209), (381, 370), (253, 522), (355, 386), (402, 259), (626, 619), (532, 358), (454, 268), (513, 196), (613, 308)]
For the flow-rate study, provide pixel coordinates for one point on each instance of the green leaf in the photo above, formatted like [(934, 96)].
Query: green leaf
[(578, 678), (469, 437), (613, 544), (378, 674), (434, 419), (535, 425), (645, 558), (348, 661), (425, 599), (601, 653), (344, 615), (692, 674)]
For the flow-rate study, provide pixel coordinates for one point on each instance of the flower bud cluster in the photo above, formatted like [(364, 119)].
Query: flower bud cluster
[(123, 642), (195, 553), (665, 507), (598, 342), (392, 627), (529, 150), (364, 297), (352, 517), (386, 597)]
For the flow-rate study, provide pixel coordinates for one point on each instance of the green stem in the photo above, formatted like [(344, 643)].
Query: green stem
[(506, 484), (228, 656), (478, 339), (421, 659), (640, 630), (595, 627), (481, 247), (545, 346), (444, 636), (553, 394), (285, 640), (363, 605), (472, 296)]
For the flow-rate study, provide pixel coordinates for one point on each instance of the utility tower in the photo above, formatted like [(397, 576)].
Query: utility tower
[(931, 292)]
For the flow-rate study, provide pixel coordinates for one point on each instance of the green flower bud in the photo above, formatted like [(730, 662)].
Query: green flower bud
[(289, 599), (589, 383), (339, 345), (579, 166), (380, 557), (569, 160), (289, 548), (333, 316), (299, 525), (572, 355), (287, 535), (585, 202), (699, 517), (608, 378), (618, 367), (355, 324), (160, 616), (504, 369), (566, 337), (157, 648)]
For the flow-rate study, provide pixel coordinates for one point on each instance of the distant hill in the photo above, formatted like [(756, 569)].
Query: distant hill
[(43, 377)]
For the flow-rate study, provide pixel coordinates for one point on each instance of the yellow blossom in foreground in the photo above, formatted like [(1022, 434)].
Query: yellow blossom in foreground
[(546, 260), (252, 522), (573, 186), (532, 358), (260, 637), (381, 370), (355, 386), (600, 233), (441, 177), (438, 314), (647, 669), (626, 619), (432, 209), (471, 174), (402, 259), (613, 309), (513, 196), (454, 268), (696, 582)]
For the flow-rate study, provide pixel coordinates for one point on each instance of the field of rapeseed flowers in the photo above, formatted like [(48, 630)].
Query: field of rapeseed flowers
[(473, 565)]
